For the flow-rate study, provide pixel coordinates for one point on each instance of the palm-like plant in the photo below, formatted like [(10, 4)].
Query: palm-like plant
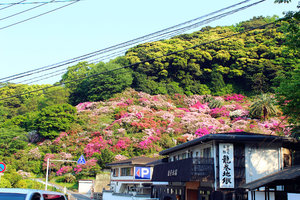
[(263, 106)]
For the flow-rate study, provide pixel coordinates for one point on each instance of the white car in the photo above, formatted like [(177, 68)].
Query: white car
[(29, 194)]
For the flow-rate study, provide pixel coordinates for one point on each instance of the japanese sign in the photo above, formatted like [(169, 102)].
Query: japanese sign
[(226, 163)]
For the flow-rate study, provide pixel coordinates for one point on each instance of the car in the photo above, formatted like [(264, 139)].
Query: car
[(29, 194)]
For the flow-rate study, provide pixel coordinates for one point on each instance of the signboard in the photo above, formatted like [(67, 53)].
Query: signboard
[(81, 160), (2, 167), (142, 173), (226, 163)]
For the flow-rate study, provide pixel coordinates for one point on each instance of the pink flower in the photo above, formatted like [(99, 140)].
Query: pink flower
[(198, 105), (202, 131), (184, 109), (64, 170), (234, 97)]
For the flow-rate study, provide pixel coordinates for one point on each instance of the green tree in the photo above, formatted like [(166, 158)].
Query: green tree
[(53, 119), (11, 140), (111, 79), (105, 80), (288, 94)]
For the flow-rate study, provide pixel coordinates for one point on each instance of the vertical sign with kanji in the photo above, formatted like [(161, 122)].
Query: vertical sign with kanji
[(226, 163)]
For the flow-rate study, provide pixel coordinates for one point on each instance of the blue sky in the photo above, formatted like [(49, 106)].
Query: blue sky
[(91, 25)]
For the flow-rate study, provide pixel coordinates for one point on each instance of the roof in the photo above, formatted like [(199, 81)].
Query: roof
[(288, 175), (236, 137), (142, 160)]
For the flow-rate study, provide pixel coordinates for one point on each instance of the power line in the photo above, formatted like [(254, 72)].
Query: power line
[(12, 4), (130, 43), (138, 63), (22, 21), (62, 71), (23, 11), (35, 2)]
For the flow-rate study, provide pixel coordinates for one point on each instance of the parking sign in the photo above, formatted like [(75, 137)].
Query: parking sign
[(142, 173)]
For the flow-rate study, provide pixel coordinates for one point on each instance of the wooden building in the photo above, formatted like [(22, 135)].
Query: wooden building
[(216, 166)]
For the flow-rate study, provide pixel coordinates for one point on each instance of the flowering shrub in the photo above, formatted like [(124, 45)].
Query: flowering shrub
[(35, 154), (135, 123), (201, 132), (123, 143), (234, 97), (95, 146), (64, 170), (90, 165), (86, 106), (219, 112), (120, 157)]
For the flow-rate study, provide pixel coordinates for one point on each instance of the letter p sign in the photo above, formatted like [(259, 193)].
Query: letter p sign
[(142, 172)]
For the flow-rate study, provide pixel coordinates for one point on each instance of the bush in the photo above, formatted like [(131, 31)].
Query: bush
[(12, 177), (69, 178), (4, 183)]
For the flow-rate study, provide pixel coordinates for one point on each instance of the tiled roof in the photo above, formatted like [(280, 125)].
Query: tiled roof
[(142, 160), (237, 137)]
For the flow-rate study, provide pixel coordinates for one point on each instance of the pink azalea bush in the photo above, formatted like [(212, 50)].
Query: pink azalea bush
[(135, 123)]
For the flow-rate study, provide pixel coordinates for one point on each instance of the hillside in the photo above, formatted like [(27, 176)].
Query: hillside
[(135, 123), (142, 109)]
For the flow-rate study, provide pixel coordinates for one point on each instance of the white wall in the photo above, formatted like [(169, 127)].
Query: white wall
[(261, 161), (85, 186), (261, 196), (111, 196)]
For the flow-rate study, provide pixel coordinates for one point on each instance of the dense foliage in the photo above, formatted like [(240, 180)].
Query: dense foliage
[(246, 62)]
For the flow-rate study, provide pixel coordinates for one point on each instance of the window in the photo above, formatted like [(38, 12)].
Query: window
[(115, 172), (207, 152), (9, 196), (128, 171)]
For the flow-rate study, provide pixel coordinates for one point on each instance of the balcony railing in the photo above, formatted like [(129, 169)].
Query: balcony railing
[(190, 169)]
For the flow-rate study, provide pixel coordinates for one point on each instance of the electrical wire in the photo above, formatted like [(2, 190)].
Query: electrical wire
[(23, 11), (12, 4), (35, 2), (22, 21), (115, 47), (138, 63), (38, 77)]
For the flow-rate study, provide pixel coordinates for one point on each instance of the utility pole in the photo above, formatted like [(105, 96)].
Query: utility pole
[(47, 170)]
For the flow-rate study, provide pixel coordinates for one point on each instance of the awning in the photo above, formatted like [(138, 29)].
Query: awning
[(286, 176)]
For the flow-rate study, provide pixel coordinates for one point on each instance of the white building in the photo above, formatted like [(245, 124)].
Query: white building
[(130, 179), (217, 166)]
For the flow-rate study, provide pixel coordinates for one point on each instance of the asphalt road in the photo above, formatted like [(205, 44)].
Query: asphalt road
[(80, 197)]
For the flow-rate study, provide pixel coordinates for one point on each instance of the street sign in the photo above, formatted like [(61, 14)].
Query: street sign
[(142, 172), (2, 167), (81, 160)]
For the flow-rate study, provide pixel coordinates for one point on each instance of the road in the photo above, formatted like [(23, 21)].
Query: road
[(74, 196), (80, 197)]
